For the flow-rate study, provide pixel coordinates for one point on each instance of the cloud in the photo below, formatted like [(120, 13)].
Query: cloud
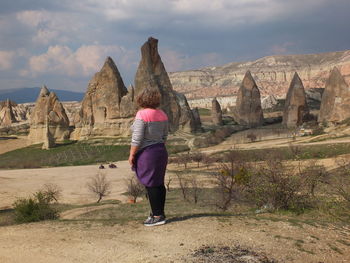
[(61, 60), (6, 59), (228, 13), (176, 61), (281, 49)]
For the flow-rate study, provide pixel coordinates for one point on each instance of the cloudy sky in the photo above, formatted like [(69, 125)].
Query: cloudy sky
[(62, 43)]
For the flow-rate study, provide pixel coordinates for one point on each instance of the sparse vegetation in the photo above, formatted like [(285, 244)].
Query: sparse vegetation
[(36, 208), (134, 188), (99, 186)]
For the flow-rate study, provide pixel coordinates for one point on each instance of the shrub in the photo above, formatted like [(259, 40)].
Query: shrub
[(36, 208), (134, 188), (99, 186), (278, 186)]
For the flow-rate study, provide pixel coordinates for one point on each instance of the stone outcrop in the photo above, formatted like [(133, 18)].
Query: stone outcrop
[(127, 104), (48, 111), (7, 116), (151, 73), (335, 104), (273, 75), (197, 119), (101, 113), (296, 109), (269, 102), (187, 121), (49, 141), (216, 113), (248, 105)]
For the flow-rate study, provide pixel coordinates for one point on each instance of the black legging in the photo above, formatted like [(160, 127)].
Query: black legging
[(156, 196)]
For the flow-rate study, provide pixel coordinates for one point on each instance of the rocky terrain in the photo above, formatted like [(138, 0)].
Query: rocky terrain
[(272, 74)]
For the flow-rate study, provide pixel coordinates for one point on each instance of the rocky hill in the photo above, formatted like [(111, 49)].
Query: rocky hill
[(272, 74)]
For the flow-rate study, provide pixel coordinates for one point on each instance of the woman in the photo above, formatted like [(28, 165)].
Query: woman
[(148, 155)]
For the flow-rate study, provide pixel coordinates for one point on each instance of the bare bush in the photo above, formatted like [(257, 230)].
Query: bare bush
[(183, 183), (168, 181), (278, 186), (314, 174), (252, 137), (231, 179), (341, 183), (52, 192), (197, 157), (99, 186), (134, 188)]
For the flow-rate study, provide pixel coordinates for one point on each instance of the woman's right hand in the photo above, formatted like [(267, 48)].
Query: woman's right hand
[(131, 159)]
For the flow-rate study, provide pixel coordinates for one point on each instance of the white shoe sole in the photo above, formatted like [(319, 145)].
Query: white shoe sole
[(156, 224)]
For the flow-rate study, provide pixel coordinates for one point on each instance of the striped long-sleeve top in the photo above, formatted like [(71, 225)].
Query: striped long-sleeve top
[(150, 127)]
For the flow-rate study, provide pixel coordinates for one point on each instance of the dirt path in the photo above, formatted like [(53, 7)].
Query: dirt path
[(57, 242), (74, 213)]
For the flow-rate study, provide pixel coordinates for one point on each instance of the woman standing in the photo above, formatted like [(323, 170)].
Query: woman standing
[(148, 155)]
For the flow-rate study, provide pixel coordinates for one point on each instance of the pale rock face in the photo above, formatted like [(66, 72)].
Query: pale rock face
[(48, 116), (335, 104), (216, 113), (101, 113), (269, 102), (127, 104), (187, 121), (151, 73), (248, 105), (296, 108), (7, 116), (272, 74)]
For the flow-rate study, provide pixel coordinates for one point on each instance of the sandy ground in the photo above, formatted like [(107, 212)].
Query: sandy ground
[(71, 241), (57, 242), (71, 180), (12, 144)]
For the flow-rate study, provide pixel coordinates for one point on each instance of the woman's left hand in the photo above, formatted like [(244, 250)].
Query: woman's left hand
[(131, 160)]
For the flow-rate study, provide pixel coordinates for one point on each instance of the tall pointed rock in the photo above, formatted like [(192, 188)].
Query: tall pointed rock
[(48, 116), (248, 104), (335, 103), (101, 107), (296, 109), (7, 117), (216, 112), (151, 73)]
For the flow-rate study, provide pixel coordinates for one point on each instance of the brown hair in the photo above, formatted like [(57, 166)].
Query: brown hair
[(149, 98)]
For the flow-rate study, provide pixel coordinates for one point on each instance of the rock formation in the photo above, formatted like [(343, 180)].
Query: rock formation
[(127, 104), (248, 105), (151, 73), (187, 121), (296, 109), (273, 74), (216, 113), (335, 104), (49, 141), (269, 102), (48, 111), (101, 113), (197, 118), (7, 116)]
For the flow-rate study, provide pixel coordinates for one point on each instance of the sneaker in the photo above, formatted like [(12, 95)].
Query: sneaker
[(155, 221)]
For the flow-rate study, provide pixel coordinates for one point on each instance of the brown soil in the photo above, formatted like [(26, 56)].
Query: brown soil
[(176, 241), (12, 144)]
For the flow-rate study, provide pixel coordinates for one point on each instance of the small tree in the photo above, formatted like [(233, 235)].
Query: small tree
[(134, 188), (197, 157), (99, 186), (169, 180), (183, 185), (52, 192), (252, 137)]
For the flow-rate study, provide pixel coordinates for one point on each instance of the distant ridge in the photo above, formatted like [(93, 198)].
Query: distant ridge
[(23, 95)]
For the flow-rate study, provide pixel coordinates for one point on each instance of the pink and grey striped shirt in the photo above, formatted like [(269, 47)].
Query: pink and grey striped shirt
[(150, 127)]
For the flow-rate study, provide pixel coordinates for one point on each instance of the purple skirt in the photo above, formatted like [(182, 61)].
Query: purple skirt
[(150, 165)]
